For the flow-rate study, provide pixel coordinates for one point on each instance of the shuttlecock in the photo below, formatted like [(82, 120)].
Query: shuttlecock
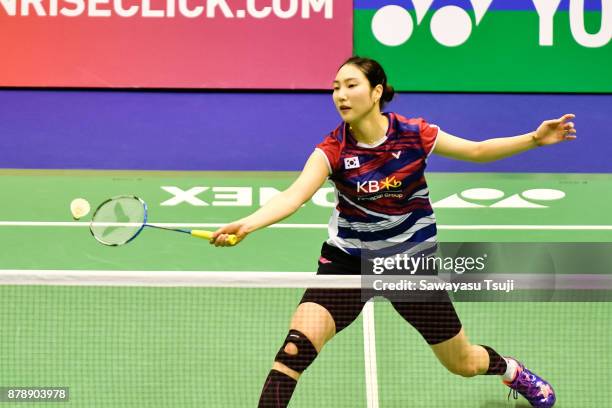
[(79, 207)]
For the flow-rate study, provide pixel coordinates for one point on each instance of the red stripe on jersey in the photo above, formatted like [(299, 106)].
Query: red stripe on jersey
[(350, 211), (410, 168)]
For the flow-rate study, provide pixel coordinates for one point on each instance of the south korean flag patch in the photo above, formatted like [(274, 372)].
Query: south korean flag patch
[(351, 163)]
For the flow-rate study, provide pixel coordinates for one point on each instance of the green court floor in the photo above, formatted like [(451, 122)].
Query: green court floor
[(212, 347)]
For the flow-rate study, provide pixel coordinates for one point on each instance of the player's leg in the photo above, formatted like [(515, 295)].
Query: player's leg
[(461, 357), (440, 326), (321, 314), (466, 359), (311, 327)]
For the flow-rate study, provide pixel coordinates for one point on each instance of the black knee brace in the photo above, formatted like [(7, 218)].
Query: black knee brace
[(306, 352)]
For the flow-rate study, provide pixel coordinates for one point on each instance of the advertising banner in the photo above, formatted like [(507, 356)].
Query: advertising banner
[(489, 45), (272, 44)]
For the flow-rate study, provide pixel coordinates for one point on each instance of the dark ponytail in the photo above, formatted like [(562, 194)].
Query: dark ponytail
[(387, 95)]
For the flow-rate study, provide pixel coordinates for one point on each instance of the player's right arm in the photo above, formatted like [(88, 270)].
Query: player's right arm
[(280, 206)]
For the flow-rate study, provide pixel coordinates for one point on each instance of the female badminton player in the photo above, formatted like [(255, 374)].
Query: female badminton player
[(366, 149)]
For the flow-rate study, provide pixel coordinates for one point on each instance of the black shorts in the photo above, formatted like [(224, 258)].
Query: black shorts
[(435, 321)]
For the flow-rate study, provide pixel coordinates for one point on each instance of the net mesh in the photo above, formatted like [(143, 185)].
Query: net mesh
[(128, 345)]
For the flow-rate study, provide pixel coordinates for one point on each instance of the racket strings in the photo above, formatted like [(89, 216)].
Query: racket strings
[(118, 220)]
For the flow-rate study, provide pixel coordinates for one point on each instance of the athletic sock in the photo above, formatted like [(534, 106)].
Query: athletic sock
[(497, 364), (277, 390), (510, 373)]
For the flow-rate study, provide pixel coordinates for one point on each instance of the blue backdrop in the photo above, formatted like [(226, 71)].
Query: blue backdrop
[(270, 131)]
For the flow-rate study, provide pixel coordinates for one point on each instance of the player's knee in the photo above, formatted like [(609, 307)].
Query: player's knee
[(465, 367), (297, 352), (291, 349), (465, 370)]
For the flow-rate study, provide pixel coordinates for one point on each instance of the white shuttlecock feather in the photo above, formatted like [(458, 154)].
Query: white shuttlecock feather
[(79, 207)]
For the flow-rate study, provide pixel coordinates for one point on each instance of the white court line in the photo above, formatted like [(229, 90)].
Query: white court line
[(527, 227), (238, 279), (161, 224), (369, 353), (258, 279), (324, 226)]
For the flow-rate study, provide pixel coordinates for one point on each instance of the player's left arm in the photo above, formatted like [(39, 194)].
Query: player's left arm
[(548, 133)]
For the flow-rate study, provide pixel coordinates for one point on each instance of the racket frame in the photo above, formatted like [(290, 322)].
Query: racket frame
[(232, 239), (144, 222)]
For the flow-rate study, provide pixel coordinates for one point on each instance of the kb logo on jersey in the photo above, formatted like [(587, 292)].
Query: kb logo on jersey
[(374, 186), (351, 163)]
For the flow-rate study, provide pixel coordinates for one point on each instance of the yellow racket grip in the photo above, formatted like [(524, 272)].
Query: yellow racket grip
[(232, 239)]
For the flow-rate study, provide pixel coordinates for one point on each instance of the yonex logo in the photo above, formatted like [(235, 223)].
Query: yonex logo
[(351, 163), (493, 198), (226, 196), (203, 196), (374, 186), (451, 26)]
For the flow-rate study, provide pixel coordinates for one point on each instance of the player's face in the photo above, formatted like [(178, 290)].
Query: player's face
[(353, 95)]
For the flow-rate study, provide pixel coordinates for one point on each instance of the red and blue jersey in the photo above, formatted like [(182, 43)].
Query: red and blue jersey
[(382, 196)]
